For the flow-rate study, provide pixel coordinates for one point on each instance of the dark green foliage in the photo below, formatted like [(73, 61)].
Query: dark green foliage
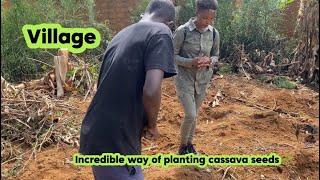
[(15, 64), (225, 69), (283, 82), (254, 24), (136, 13), (185, 12)]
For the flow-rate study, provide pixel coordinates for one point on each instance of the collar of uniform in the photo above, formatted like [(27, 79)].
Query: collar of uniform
[(192, 26)]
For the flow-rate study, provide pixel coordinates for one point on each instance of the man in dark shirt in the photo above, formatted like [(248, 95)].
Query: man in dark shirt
[(127, 100)]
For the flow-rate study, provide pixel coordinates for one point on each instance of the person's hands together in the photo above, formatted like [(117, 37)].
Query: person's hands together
[(199, 62), (195, 62), (204, 61)]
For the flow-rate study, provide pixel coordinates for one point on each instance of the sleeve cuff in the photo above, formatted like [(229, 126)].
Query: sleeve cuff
[(167, 73)]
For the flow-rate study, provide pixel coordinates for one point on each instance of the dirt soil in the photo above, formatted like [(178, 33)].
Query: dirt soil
[(241, 124)]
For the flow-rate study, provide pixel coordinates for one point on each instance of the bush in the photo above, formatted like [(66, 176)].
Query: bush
[(16, 64), (225, 69), (136, 13), (14, 51), (254, 25), (283, 82), (185, 12)]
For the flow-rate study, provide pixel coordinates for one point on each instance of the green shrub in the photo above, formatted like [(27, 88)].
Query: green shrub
[(185, 12), (136, 13), (283, 82), (262, 79), (254, 25), (15, 55), (283, 3), (225, 69), (13, 47), (223, 23)]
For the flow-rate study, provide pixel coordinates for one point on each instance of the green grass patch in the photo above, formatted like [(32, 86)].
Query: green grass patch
[(283, 82), (225, 69), (262, 79)]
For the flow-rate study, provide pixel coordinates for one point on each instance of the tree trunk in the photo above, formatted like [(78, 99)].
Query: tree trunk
[(61, 68), (307, 51)]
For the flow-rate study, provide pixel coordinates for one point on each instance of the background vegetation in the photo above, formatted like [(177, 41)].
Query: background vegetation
[(16, 64), (255, 25)]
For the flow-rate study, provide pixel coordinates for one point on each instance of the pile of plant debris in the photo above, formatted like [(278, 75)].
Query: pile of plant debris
[(31, 112)]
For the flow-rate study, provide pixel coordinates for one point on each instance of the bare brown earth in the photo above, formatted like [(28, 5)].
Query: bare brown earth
[(238, 126)]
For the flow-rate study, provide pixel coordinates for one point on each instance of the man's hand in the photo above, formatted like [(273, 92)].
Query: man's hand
[(195, 62), (201, 61), (151, 133), (151, 101), (205, 62)]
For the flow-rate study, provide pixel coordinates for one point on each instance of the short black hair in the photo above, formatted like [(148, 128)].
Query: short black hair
[(162, 8), (206, 5)]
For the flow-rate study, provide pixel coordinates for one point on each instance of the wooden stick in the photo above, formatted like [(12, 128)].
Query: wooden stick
[(261, 107), (225, 172), (61, 67), (22, 122), (280, 65), (16, 100), (149, 148), (48, 53)]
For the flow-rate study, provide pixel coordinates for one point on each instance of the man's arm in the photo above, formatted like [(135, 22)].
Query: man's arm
[(151, 100)]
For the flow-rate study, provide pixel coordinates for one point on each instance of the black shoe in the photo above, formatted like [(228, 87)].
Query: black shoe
[(183, 150), (191, 149)]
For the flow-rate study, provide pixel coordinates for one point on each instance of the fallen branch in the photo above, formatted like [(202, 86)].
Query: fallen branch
[(225, 172), (251, 104), (41, 62), (262, 107)]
